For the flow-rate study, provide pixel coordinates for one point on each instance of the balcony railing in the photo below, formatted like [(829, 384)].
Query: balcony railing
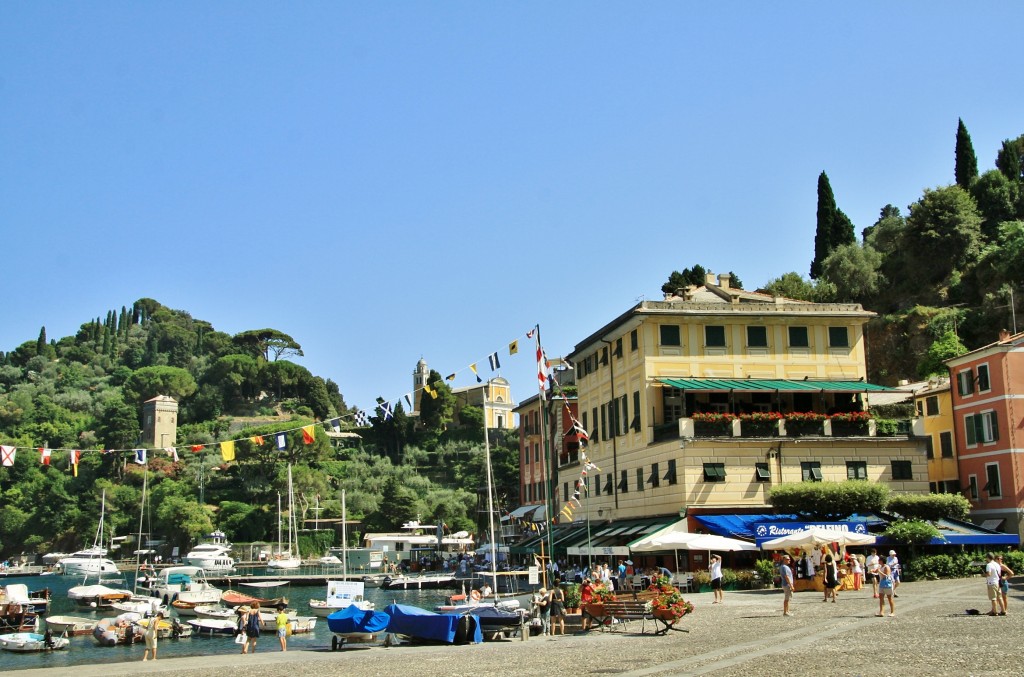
[(771, 425)]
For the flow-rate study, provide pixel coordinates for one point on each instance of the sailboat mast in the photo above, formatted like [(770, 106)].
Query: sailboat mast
[(344, 539), (490, 494), (291, 518), (98, 539), (142, 515), (279, 523)]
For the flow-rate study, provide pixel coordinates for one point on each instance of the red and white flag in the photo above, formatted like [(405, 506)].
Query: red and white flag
[(44, 455), (75, 456), (7, 455), (172, 452)]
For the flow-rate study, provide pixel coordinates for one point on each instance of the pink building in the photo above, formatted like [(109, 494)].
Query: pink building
[(988, 417)]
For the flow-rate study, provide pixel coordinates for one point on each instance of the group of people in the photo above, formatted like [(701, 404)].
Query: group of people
[(997, 580), (548, 606), (250, 623), (883, 574)]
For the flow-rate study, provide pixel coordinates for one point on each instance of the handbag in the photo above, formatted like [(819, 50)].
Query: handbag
[(886, 582), (240, 638)]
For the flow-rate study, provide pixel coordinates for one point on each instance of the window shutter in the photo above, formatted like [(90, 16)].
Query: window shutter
[(972, 437), (995, 426)]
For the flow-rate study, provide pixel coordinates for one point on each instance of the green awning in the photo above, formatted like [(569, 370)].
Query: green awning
[(772, 385), (618, 533)]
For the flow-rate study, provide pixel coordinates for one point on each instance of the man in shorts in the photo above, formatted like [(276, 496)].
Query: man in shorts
[(786, 573), (871, 566), (992, 573)]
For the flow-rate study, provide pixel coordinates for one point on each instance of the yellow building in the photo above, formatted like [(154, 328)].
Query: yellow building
[(494, 396), (935, 415), (656, 384)]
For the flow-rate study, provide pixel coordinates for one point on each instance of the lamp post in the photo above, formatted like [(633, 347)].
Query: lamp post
[(590, 551)]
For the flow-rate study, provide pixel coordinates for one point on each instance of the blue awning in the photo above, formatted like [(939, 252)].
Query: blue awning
[(738, 526)]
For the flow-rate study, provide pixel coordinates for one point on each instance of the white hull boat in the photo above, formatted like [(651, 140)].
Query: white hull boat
[(70, 625), (210, 627), (28, 642)]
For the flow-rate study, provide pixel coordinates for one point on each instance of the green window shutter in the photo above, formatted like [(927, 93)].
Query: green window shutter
[(995, 426), (972, 437)]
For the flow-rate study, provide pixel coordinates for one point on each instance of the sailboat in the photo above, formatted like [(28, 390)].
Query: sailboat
[(92, 560), (284, 559), (344, 593)]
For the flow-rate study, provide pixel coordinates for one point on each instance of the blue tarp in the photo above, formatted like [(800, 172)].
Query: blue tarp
[(422, 624), (353, 619)]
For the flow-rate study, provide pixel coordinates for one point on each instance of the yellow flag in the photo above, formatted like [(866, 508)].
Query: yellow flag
[(513, 347), (227, 451), (256, 439)]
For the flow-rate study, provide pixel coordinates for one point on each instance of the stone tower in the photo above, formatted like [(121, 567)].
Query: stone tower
[(159, 422), (419, 379)]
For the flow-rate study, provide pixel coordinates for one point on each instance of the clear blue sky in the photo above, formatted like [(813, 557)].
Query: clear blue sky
[(391, 180)]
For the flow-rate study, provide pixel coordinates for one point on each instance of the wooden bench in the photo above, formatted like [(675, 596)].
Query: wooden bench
[(618, 613)]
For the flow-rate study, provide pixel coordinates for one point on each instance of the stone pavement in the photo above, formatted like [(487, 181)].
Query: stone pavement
[(745, 636)]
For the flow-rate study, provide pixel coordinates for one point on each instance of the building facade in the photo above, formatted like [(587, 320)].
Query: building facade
[(160, 421), (987, 387), (934, 407), (658, 384)]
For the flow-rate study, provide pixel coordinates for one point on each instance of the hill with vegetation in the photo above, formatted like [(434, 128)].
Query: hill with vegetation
[(85, 393)]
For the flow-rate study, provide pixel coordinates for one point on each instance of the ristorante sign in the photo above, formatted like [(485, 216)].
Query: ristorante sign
[(765, 531)]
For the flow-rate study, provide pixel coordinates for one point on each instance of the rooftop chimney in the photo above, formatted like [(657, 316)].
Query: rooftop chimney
[(709, 279), (723, 280)]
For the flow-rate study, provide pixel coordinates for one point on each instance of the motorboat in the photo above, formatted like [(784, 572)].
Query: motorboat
[(340, 595), (27, 642), (146, 606), (16, 617), (36, 601), (352, 624), (303, 624), (91, 561), (212, 556), (429, 581), (119, 630), (70, 625), (184, 584), (97, 596), (416, 624), (211, 627), (186, 608)]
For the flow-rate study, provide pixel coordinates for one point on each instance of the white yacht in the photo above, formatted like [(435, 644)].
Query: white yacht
[(89, 562), (213, 556), (185, 584)]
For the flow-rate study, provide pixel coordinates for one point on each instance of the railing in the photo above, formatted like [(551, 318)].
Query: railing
[(736, 427)]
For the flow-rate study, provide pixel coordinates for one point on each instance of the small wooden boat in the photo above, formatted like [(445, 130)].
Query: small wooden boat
[(28, 642), (169, 628), (234, 598), (70, 625), (214, 611), (16, 617)]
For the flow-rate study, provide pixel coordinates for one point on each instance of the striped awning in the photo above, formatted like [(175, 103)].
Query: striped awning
[(772, 385)]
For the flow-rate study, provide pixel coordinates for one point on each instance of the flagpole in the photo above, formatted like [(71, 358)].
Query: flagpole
[(549, 501)]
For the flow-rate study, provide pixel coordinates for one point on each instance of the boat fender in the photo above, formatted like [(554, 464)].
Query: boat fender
[(166, 602), (475, 595)]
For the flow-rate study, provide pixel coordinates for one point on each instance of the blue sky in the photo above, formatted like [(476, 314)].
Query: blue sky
[(385, 181)]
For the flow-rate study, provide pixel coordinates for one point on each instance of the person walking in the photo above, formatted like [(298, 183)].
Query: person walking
[(894, 566), (1004, 583), (831, 579), (716, 578), (872, 566), (786, 574), (282, 622), (150, 636), (858, 571), (886, 589), (993, 573)]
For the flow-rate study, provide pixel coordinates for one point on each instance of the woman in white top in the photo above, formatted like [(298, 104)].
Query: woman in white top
[(716, 577)]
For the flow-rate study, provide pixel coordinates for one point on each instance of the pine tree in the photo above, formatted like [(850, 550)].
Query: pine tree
[(966, 160), (41, 342)]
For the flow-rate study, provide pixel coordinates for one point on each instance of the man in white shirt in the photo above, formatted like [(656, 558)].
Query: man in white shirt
[(992, 572), (786, 574), (871, 564)]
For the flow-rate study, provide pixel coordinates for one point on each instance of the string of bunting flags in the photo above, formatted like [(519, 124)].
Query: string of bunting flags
[(385, 408)]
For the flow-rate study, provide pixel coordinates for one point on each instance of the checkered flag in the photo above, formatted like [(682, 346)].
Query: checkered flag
[(362, 420)]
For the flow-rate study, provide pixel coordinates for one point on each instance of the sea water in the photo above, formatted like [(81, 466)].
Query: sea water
[(84, 650)]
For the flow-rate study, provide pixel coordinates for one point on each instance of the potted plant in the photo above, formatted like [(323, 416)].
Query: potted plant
[(804, 423), (711, 424), (849, 423), (702, 580), (766, 571), (572, 597), (669, 605), (760, 424)]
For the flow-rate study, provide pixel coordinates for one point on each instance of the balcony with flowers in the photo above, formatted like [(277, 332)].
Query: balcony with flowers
[(777, 424)]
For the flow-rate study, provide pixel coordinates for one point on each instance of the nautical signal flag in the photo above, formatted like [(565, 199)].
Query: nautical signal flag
[(513, 347), (196, 448), (308, 436), (256, 439), (472, 368), (172, 452), (75, 456), (7, 455), (336, 425), (227, 450), (450, 377), (361, 420), (44, 456), (140, 456), (281, 440), (495, 363)]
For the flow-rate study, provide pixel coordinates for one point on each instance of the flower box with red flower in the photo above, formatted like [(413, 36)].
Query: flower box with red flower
[(712, 424), (805, 423), (760, 424)]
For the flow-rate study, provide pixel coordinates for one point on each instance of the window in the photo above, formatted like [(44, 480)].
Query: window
[(965, 383), (640, 479), (714, 472), (584, 422), (932, 405), (856, 470), (597, 486), (902, 470), (654, 479), (634, 341), (624, 421), (714, 336), (929, 447), (798, 337), (981, 428), (604, 424), (670, 335), (635, 424), (951, 487), (972, 487), (838, 337), (810, 471), (624, 483), (983, 380), (608, 484), (672, 404), (946, 444), (762, 473), (565, 491), (536, 453), (992, 485), (757, 337), (670, 474), (618, 347)]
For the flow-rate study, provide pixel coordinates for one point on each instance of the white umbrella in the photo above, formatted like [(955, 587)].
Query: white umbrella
[(815, 537), (678, 540)]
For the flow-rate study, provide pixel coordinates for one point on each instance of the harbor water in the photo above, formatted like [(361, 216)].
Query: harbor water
[(84, 650)]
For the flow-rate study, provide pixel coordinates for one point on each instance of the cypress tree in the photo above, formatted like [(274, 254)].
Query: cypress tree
[(41, 342), (823, 244), (966, 161)]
